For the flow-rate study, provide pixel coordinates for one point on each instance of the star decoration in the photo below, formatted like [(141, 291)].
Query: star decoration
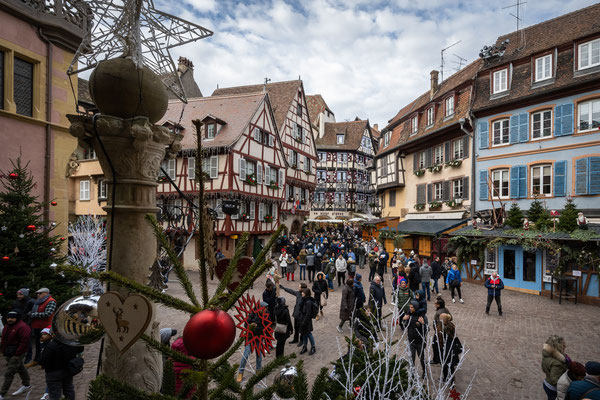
[(248, 305), (4, 227), (454, 395), (136, 30)]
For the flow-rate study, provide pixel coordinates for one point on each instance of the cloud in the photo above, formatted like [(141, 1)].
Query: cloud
[(367, 58)]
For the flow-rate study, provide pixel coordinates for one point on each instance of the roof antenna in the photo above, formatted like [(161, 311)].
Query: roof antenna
[(442, 64), (460, 61), (267, 80), (519, 18)]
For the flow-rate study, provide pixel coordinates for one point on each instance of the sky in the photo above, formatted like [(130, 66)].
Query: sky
[(367, 58)]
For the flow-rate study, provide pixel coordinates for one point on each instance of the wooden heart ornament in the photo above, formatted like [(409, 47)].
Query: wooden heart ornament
[(124, 320)]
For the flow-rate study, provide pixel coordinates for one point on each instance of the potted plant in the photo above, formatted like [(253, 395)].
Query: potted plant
[(451, 203), (251, 179), (294, 166), (268, 218), (244, 216), (435, 168), (419, 207), (420, 172), (434, 205), (454, 163), (273, 185)]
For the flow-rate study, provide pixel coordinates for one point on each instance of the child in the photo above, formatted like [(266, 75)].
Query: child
[(44, 340)]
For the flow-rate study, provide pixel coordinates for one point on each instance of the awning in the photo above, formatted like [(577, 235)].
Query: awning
[(325, 221), (428, 227)]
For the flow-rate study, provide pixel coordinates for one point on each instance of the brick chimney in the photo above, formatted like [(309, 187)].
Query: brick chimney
[(184, 65), (376, 127), (434, 83)]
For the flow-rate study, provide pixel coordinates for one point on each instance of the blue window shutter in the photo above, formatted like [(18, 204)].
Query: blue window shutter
[(523, 127), (483, 135), (514, 183), (560, 178), (483, 185), (514, 129), (522, 181), (594, 180), (558, 121), (581, 176), (567, 120)]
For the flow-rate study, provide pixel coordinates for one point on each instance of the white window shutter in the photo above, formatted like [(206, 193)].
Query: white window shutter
[(271, 140), (261, 211), (172, 168), (191, 168), (259, 174), (242, 169), (267, 175), (219, 205), (214, 167), (252, 210), (281, 178), (275, 212), (256, 133)]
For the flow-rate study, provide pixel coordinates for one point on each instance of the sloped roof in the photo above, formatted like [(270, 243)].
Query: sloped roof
[(428, 227), (316, 105), (508, 232), (281, 95), (235, 110), (353, 130)]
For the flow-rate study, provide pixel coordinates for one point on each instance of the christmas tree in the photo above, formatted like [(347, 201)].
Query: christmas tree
[(539, 215), (514, 217), (28, 249), (568, 217)]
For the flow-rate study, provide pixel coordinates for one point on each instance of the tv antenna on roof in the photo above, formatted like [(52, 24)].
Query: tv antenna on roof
[(442, 64), (517, 15), (460, 61)]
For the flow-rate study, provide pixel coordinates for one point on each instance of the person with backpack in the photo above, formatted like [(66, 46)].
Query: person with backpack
[(308, 311), (61, 362), (494, 285)]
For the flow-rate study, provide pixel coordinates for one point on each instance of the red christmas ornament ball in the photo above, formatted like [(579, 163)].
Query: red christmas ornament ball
[(13, 175), (63, 239), (209, 333), (5, 258), (31, 228), (53, 203)]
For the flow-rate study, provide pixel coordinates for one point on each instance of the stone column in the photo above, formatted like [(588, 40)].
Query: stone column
[(136, 148)]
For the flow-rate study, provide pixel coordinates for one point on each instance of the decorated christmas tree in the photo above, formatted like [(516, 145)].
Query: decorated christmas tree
[(539, 215), (28, 249), (514, 217), (568, 217)]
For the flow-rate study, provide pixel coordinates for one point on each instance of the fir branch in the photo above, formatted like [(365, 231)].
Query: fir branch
[(239, 251), (117, 390), (319, 385), (168, 380), (177, 264), (226, 381), (266, 394), (300, 382), (265, 371), (164, 349), (225, 357)]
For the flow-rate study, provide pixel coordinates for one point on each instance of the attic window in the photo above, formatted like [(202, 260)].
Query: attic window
[(386, 139), (210, 131), (340, 138)]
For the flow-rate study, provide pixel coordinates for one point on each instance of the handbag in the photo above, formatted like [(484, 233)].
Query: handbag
[(323, 300), (280, 328), (75, 365)]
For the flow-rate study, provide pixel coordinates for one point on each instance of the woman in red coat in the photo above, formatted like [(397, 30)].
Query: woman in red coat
[(179, 367)]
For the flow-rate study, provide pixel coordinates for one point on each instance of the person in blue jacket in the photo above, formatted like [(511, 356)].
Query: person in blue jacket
[(420, 297), (589, 387), (454, 281), (494, 285)]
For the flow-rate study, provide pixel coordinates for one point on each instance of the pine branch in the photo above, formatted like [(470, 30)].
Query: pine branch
[(177, 264), (300, 383), (174, 354), (319, 385), (117, 390), (264, 372), (168, 380), (225, 357), (266, 394), (239, 251), (226, 381)]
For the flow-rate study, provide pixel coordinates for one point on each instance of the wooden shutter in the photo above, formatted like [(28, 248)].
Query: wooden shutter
[(256, 134), (242, 169), (514, 129), (252, 210), (415, 161), (446, 190), (581, 176), (560, 178), (466, 147), (567, 120), (429, 157), (514, 182), (484, 137), (259, 174), (267, 175), (214, 167), (281, 178), (557, 120), (429, 192), (483, 185), (524, 127), (191, 168), (448, 153), (522, 181), (594, 179), (466, 188), (261, 211), (421, 199), (271, 140)]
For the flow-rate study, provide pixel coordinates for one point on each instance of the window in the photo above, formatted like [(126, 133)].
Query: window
[(101, 189), (340, 139), (386, 139), (192, 167), (392, 198), (541, 124), (291, 193), (89, 154), (589, 115), (414, 124), (438, 152), (438, 191), (23, 87), (430, 116), (500, 132), (457, 189), (322, 156), (449, 106), (169, 167), (84, 190), (210, 131), (342, 176), (543, 68), (307, 165), (299, 108), (321, 176), (422, 160), (271, 175), (458, 149), (293, 159), (500, 81), (343, 157), (589, 54), (541, 180), (500, 182), (299, 133)]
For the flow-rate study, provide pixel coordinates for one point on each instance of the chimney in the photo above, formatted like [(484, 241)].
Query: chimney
[(376, 127), (434, 82), (184, 65)]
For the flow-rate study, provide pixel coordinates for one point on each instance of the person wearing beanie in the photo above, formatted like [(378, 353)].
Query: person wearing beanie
[(587, 388), (256, 324), (403, 297), (347, 304), (554, 364), (575, 372), (415, 326), (23, 305), (296, 314), (166, 334), (15, 341), (494, 285)]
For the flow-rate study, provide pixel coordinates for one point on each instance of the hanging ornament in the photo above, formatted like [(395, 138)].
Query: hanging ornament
[(53, 265), (50, 243), (63, 239), (4, 227), (22, 235), (454, 395), (53, 203), (13, 176), (248, 305), (53, 224), (243, 267), (124, 320), (356, 390), (53, 249), (30, 228), (16, 250), (76, 322), (156, 280), (209, 333), (5, 258), (285, 381)]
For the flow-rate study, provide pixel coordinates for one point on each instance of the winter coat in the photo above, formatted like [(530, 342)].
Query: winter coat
[(563, 385), (359, 295), (425, 271), (23, 307), (281, 315), (579, 388), (302, 257), (376, 296), (306, 306), (489, 282), (310, 261), (453, 274), (437, 323), (320, 286), (16, 336), (56, 355), (341, 265), (283, 262), (553, 364), (178, 366), (452, 347), (291, 265), (403, 298), (436, 270), (270, 297), (298, 300), (422, 310), (414, 278), (347, 305), (415, 330)]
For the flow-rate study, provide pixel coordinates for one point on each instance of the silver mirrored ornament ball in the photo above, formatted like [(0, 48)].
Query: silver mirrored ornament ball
[(76, 322), (285, 380)]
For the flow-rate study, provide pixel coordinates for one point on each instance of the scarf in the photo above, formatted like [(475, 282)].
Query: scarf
[(38, 302)]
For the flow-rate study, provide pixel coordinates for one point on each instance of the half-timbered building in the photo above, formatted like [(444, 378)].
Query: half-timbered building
[(242, 160), (295, 130)]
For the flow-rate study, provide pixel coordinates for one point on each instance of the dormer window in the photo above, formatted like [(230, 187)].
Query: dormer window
[(414, 124), (449, 106), (430, 116), (340, 138), (543, 68), (210, 131), (386, 139), (588, 54), (500, 79)]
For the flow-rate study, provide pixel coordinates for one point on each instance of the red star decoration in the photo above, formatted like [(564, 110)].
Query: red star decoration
[(454, 395), (248, 305)]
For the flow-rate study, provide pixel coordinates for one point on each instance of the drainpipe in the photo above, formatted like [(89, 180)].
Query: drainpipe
[(48, 150), (472, 183)]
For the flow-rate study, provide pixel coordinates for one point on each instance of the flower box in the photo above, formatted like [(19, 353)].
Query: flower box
[(251, 179), (268, 218), (435, 205), (454, 163), (273, 185), (244, 216), (435, 168), (451, 203), (420, 172), (419, 207)]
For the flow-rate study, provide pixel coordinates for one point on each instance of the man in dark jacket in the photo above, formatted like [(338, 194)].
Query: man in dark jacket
[(414, 277), (436, 273), (359, 292), (347, 304), (494, 285), (416, 334), (377, 297), (23, 304), (320, 289), (15, 342), (54, 360), (269, 296), (296, 313)]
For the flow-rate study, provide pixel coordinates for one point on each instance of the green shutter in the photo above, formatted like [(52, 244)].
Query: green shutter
[(483, 185)]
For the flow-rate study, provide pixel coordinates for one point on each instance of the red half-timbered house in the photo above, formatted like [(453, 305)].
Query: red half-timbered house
[(242, 160), (294, 127)]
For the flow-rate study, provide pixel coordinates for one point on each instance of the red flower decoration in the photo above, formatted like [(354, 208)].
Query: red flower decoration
[(454, 395), (246, 306)]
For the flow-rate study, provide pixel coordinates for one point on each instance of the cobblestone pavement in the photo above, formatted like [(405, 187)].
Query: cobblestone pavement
[(504, 352)]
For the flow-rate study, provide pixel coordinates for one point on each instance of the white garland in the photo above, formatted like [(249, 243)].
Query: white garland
[(87, 249)]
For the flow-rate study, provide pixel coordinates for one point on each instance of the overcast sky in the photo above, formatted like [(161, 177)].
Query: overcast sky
[(366, 58)]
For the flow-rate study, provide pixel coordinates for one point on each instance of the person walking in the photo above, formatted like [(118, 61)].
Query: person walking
[(451, 348), (15, 341), (310, 264), (341, 267), (446, 267), (554, 364), (306, 312), (269, 296), (372, 265), (330, 273), (404, 296), (438, 329), (414, 277), (297, 310), (377, 297), (347, 304), (23, 305), (253, 321), (320, 292), (415, 331), (283, 325), (359, 292), (425, 272), (494, 285), (436, 273), (41, 316), (455, 282), (302, 263), (55, 359)]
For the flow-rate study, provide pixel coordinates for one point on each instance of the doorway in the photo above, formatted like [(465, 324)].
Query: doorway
[(521, 269)]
